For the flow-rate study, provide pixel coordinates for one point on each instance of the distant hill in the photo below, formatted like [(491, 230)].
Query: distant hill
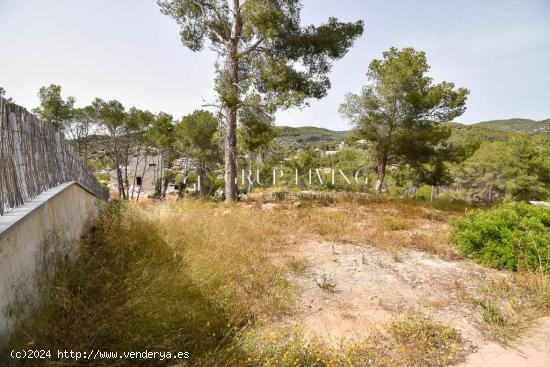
[(519, 125), (308, 135), (464, 134), (481, 131)]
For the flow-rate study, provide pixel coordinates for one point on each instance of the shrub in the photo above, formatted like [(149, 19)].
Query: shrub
[(454, 200), (510, 236), (423, 193), (419, 341), (395, 223)]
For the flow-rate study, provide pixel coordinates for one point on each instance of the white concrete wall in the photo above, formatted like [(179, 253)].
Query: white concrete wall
[(52, 223)]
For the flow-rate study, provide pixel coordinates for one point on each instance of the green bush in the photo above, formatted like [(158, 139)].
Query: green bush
[(453, 196), (511, 236), (423, 193)]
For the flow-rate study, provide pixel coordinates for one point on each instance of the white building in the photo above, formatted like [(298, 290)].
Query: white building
[(143, 173)]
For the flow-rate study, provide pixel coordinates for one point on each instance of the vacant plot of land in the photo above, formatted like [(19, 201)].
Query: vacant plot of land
[(310, 283), (350, 290)]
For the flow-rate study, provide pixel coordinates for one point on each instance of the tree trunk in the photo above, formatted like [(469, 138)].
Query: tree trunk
[(230, 156), (161, 173), (86, 142), (126, 182), (121, 191), (249, 184), (381, 161), (230, 149), (200, 173)]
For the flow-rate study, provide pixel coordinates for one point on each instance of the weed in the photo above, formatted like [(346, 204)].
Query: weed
[(406, 341), (509, 305), (422, 342), (326, 283), (396, 257), (433, 243), (298, 266), (492, 315), (396, 224)]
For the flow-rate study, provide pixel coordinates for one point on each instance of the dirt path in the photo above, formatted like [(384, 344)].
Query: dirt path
[(531, 350), (350, 290)]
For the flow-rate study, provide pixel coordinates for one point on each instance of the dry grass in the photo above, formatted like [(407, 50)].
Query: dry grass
[(409, 340), (297, 266), (198, 276), (389, 224), (421, 342), (226, 252), (181, 277), (394, 226), (508, 306), (396, 223)]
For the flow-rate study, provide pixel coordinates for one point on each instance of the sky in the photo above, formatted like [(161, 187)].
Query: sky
[(127, 50)]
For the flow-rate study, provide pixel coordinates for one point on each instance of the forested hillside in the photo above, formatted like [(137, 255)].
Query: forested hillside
[(495, 130), (523, 125), (308, 135)]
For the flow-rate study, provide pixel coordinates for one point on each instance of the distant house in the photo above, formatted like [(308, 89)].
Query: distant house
[(328, 153), (143, 172), (184, 164)]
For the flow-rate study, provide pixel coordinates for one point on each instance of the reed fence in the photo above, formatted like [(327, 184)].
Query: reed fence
[(34, 157)]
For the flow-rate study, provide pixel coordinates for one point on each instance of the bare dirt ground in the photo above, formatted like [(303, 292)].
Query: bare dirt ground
[(530, 350), (350, 290)]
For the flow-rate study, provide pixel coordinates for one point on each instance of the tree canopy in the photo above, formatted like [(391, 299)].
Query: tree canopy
[(401, 110), (197, 137), (268, 59), (53, 108), (518, 168), (3, 94)]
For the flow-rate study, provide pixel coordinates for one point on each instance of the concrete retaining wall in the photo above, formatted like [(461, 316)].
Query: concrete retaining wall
[(52, 223)]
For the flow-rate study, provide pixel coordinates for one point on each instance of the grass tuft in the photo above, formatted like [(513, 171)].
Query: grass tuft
[(396, 224), (508, 306), (410, 340)]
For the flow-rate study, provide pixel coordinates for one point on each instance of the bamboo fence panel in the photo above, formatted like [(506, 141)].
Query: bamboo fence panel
[(34, 157)]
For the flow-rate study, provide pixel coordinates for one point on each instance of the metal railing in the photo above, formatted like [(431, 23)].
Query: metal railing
[(34, 157)]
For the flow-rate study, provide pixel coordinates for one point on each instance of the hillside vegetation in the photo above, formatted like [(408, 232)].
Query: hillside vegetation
[(485, 130), (516, 124), (490, 163), (308, 135)]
